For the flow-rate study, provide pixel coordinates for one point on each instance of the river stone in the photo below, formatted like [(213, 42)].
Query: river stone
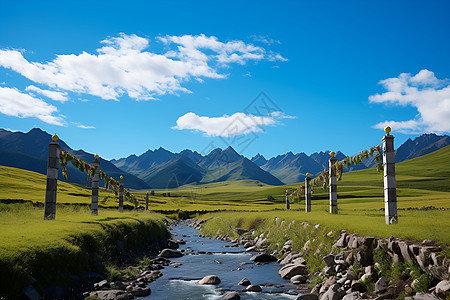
[(113, 295), (141, 291), (263, 257), (290, 270), (253, 288), (308, 297), (209, 279), (298, 279), (172, 244), (170, 253), (244, 282), (232, 296)]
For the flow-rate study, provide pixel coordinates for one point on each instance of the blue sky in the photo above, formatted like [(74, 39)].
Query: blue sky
[(119, 78)]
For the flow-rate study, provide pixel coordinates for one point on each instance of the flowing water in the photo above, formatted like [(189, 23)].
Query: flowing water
[(230, 264)]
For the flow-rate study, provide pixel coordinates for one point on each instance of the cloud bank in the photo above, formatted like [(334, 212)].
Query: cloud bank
[(124, 66), (430, 95)]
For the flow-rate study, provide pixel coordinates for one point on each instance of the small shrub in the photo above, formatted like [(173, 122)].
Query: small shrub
[(384, 262)]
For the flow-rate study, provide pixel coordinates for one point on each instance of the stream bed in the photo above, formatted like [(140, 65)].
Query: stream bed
[(202, 257)]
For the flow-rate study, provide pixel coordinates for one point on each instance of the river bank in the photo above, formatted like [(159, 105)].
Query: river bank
[(62, 258), (338, 264)]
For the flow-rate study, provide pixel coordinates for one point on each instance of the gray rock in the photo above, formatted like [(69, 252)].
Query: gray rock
[(425, 296), (31, 293), (244, 282), (232, 296), (329, 260), (290, 270), (308, 297), (113, 295), (141, 291), (352, 296), (170, 253), (406, 254), (329, 270), (253, 288), (326, 284), (119, 285), (363, 258), (443, 288), (381, 285), (264, 257), (341, 241), (333, 293), (298, 279), (173, 245), (357, 286), (209, 279)]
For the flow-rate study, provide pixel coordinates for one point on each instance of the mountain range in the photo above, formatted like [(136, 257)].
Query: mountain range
[(161, 168)]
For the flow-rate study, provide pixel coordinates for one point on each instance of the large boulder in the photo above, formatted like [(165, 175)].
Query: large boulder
[(443, 289), (170, 253), (381, 285), (329, 260), (333, 293), (209, 279), (264, 257), (291, 270)]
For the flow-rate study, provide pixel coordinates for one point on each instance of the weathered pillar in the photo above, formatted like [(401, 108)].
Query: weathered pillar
[(121, 194), (307, 193), (390, 189), (52, 180), (146, 202), (333, 184), (287, 201), (95, 180)]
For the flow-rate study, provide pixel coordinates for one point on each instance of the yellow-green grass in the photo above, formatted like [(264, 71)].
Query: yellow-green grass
[(27, 185), (49, 250)]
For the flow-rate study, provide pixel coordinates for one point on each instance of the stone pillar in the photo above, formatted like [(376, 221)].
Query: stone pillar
[(121, 194), (287, 201), (146, 202), (307, 193), (390, 189), (95, 179), (52, 180), (333, 184)]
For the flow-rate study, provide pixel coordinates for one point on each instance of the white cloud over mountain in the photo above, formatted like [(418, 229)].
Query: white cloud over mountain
[(227, 126), (17, 104), (430, 95)]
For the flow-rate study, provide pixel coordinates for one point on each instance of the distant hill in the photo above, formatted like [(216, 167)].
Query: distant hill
[(29, 151)]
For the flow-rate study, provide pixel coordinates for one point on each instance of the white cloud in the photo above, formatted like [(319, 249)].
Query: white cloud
[(431, 97), (17, 104), (79, 125), (265, 39), (123, 65), (227, 126), (57, 96)]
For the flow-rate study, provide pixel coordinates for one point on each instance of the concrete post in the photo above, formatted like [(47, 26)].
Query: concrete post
[(52, 180), (121, 194), (146, 202), (95, 180), (333, 184), (390, 189), (287, 201), (307, 193)]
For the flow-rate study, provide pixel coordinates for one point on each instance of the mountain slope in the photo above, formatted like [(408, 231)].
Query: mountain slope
[(32, 153), (421, 145)]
